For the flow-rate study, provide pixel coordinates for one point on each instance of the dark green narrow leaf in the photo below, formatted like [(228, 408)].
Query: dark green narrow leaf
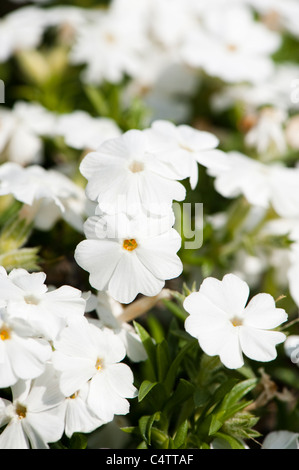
[(181, 434), (148, 344), (173, 369), (163, 360), (145, 388), (145, 426)]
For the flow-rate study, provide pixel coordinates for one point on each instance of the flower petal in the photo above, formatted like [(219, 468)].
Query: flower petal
[(259, 345)]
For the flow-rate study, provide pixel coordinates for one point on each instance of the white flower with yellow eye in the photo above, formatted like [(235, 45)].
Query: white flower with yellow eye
[(127, 257), (221, 47), (85, 353), (226, 327), (133, 172), (28, 299), (35, 416), (23, 353)]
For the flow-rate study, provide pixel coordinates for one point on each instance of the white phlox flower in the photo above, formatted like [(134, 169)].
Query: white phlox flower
[(20, 30), (192, 146), (291, 347), (82, 131), (108, 310), (278, 16), (226, 327), (127, 257), (268, 133), (132, 172), (279, 90), (221, 47), (35, 417), (22, 131), (78, 416), (49, 195), (46, 311), (108, 46), (23, 353), (263, 185), (84, 354), (281, 440)]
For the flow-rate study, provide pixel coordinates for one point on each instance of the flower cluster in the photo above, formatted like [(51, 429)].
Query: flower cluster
[(131, 246), (61, 368), (117, 120)]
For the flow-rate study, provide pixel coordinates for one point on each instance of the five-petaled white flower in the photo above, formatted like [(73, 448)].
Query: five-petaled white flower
[(23, 354), (131, 172), (35, 417), (127, 257), (108, 311), (28, 299), (225, 326), (85, 353)]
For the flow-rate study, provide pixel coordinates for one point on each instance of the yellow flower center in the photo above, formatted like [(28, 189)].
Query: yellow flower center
[(130, 245), (4, 333), (99, 364), (21, 411), (136, 166), (31, 300), (236, 321), (74, 395), (232, 47)]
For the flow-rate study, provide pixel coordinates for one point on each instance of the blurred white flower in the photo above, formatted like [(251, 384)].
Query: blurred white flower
[(281, 440), (133, 172), (263, 185), (85, 353), (22, 130), (192, 146), (127, 257), (108, 310), (35, 417), (231, 45), (277, 15), (82, 131), (48, 195), (225, 326), (276, 91), (291, 347), (170, 21), (20, 30), (267, 135), (47, 311), (109, 46)]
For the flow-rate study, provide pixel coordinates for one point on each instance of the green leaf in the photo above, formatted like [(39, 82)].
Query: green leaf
[(78, 441), (145, 388), (181, 434), (182, 393), (145, 426), (232, 441), (148, 344), (162, 360), (26, 258), (238, 391), (174, 368), (14, 234), (155, 328), (175, 309)]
